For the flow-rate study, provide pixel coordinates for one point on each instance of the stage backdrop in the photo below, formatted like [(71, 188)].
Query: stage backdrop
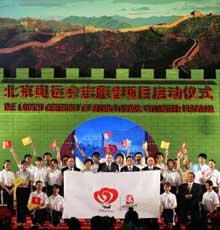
[(107, 194)]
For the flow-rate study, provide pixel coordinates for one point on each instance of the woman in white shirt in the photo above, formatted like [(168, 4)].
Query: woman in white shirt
[(54, 176), (6, 183), (39, 199)]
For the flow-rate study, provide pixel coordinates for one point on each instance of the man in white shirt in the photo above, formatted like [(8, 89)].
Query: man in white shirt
[(139, 160), (40, 173), (210, 202), (200, 169), (174, 177), (214, 175), (56, 203), (210, 198)]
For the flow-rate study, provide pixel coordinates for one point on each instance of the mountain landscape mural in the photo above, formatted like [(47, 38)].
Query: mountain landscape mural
[(159, 41)]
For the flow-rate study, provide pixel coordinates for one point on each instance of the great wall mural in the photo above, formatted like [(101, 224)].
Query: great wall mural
[(148, 36)]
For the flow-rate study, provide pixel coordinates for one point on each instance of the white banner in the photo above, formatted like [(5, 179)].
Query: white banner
[(111, 194)]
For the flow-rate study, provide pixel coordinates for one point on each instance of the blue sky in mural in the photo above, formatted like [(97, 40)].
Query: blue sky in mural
[(56, 9), (116, 132)]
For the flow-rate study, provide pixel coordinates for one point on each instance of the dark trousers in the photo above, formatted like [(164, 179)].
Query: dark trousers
[(168, 216), (49, 190), (8, 198), (22, 196), (189, 208), (55, 217), (40, 216)]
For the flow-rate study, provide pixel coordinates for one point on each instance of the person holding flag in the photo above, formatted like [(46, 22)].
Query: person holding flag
[(22, 183), (38, 205)]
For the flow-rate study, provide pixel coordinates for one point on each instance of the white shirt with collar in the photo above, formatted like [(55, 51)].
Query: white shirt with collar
[(168, 200), (214, 176), (199, 174), (42, 195), (140, 166), (56, 202), (7, 177), (31, 168), (40, 174), (210, 200), (25, 175), (130, 168), (54, 177), (172, 176)]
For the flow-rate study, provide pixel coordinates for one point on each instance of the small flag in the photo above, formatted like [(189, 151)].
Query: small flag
[(107, 135), (17, 181), (75, 138), (27, 140), (35, 200), (164, 145), (79, 164), (145, 145), (184, 146), (7, 144), (53, 145), (31, 206), (126, 143)]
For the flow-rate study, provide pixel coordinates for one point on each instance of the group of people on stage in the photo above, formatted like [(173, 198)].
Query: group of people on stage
[(191, 191)]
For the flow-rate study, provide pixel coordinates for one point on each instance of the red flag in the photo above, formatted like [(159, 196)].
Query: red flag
[(107, 135), (184, 146), (53, 145), (179, 154), (35, 200), (7, 144), (125, 143)]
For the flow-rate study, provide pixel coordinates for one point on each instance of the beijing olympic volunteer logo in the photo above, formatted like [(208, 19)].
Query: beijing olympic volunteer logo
[(106, 196), (129, 200)]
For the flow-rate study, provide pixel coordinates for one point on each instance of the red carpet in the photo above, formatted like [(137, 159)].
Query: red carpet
[(84, 224)]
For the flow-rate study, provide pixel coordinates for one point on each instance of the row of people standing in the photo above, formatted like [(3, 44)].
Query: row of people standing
[(51, 170)]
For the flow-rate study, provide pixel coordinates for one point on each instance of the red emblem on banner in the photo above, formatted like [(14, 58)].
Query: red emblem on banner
[(129, 200), (106, 196), (110, 148)]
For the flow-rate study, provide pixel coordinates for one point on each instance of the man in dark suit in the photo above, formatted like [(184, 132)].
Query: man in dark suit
[(130, 167), (189, 197), (108, 165), (70, 165)]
